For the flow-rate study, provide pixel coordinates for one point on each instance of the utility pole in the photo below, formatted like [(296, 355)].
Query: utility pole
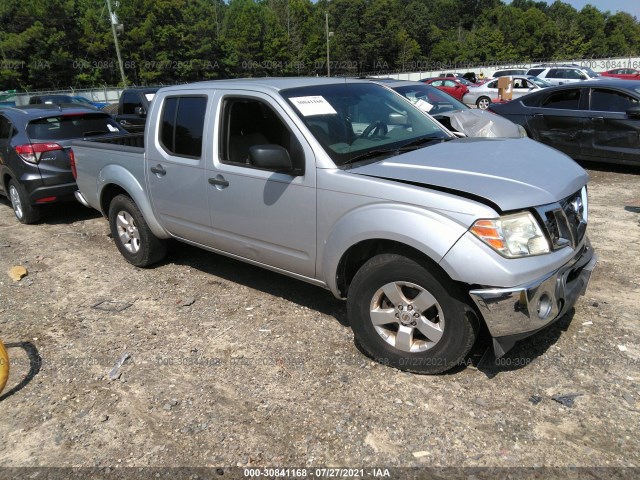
[(114, 21), (326, 19)]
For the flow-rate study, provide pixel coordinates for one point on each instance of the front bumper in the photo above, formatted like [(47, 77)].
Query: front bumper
[(518, 312)]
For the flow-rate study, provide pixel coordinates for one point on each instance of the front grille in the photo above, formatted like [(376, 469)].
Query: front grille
[(566, 220)]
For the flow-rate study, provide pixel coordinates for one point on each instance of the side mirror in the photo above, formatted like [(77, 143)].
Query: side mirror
[(270, 157), (140, 111), (397, 119), (633, 112)]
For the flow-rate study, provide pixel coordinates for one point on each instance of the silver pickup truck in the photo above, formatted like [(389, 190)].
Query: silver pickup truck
[(346, 185)]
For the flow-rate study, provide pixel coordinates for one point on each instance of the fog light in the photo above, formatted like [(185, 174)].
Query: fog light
[(544, 306)]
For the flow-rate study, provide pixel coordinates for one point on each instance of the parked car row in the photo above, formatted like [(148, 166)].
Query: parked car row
[(483, 95), (454, 115)]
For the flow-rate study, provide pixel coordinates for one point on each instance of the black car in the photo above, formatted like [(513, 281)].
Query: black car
[(34, 153), (595, 120)]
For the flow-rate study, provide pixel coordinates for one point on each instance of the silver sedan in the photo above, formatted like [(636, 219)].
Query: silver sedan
[(484, 94)]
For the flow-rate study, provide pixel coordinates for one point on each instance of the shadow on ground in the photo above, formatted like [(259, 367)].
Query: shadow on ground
[(35, 362), (296, 291)]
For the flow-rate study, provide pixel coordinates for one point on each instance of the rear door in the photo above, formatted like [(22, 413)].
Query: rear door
[(175, 165), (616, 135), (558, 120)]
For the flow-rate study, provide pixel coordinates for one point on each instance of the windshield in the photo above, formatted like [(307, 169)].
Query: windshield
[(81, 100), (430, 99), (590, 72), (539, 82), (353, 119)]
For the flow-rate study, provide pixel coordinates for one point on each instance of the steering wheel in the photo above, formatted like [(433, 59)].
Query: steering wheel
[(375, 129)]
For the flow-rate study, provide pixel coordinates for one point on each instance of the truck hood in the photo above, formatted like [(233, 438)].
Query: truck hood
[(510, 174)]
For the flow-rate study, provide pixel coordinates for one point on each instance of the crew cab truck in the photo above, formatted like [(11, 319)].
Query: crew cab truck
[(346, 185)]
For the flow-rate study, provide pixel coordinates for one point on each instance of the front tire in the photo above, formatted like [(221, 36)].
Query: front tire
[(22, 208), (409, 317), (132, 234)]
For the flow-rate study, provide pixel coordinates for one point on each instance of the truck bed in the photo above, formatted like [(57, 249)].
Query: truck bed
[(131, 140), (121, 155)]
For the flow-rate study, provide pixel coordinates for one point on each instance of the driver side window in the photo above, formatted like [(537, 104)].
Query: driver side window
[(249, 122)]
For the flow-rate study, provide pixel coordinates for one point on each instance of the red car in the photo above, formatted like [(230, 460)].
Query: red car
[(449, 85), (624, 73)]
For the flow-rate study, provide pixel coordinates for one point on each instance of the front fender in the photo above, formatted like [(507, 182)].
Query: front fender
[(121, 177), (424, 230)]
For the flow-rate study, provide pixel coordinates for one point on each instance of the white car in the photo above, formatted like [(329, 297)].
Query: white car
[(561, 74), (484, 94)]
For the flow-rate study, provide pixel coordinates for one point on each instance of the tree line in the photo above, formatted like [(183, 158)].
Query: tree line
[(69, 43)]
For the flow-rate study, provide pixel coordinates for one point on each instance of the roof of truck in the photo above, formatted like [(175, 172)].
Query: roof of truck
[(267, 83)]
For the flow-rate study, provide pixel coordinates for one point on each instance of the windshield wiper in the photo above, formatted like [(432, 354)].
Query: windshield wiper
[(413, 144), (371, 154)]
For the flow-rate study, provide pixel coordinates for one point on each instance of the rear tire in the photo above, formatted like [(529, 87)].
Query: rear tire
[(132, 234), (409, 317), (22, 208)]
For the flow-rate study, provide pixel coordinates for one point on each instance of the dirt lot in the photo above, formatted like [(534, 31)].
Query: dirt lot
[(231, 365)]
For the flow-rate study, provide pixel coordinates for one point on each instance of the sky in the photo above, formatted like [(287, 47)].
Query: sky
[(628, 6)]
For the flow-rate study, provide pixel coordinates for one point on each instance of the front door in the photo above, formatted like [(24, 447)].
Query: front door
[(616, 136), (559, 122), (259, 214)]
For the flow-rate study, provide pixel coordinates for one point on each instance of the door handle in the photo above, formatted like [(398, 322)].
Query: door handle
[(219, 181), (597, 119), (538, 115), (158, 170)]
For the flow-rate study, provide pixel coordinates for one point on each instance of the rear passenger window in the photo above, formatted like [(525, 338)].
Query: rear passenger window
[(555, 73), (564, 100), (182, 125), (604, 100), (5, 128)]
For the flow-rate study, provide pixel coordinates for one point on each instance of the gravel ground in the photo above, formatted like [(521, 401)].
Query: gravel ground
[(231, 365)]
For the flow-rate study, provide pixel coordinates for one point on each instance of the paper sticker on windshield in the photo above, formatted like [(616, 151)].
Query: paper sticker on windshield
[(112, 128), (424, 106), (315, 105)]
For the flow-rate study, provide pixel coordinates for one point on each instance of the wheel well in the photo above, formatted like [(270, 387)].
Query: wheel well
[(360, 253), (108, 194)]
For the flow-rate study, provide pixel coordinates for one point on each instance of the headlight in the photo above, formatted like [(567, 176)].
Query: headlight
[(516, 235), (522, 131)]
